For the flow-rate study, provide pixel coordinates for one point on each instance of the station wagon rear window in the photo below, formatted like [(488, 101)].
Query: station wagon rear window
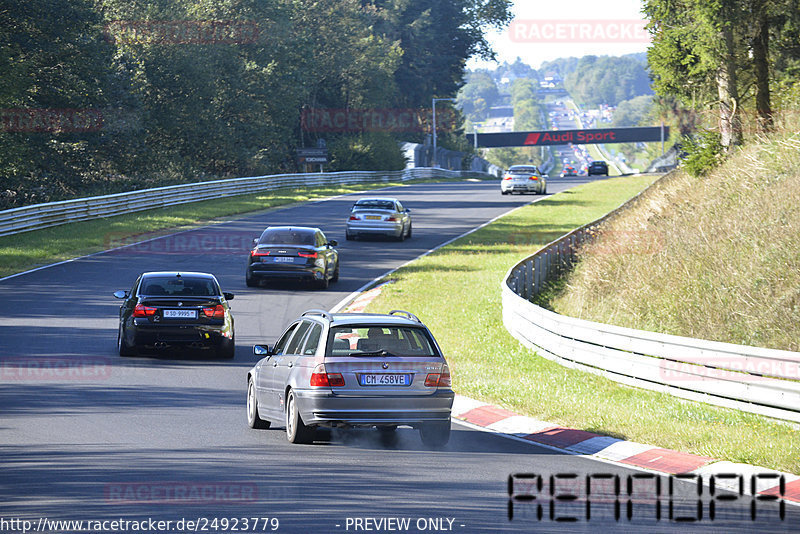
[(397, 341)]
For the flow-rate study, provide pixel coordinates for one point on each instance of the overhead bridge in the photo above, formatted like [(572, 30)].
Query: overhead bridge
[(640, 134)]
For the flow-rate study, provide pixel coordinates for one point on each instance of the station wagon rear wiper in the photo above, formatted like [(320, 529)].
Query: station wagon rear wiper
[(381, 352)]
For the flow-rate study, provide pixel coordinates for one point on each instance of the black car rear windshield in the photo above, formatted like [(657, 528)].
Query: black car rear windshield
[(173, 286), (397, 341), (286, 237), (375, 204)]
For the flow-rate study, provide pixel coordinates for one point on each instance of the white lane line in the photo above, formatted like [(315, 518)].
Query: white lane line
[(352, 296)]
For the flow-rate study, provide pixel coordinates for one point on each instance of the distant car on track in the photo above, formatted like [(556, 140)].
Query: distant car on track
[(598, 167), (381, 216), (293, 253), (169, 310), (352, 370), (568, 170), (523, 179)]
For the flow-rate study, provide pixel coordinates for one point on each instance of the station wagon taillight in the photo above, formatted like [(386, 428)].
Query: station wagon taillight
[(322, 378), (441, 380), (507, 177), (354, 218), (144, 311), (217, 312)]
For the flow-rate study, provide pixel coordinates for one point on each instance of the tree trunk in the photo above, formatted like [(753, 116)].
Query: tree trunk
[(730, 126), (761, 66)]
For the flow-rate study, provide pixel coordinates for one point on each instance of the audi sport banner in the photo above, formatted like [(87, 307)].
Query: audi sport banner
[(564, 137)]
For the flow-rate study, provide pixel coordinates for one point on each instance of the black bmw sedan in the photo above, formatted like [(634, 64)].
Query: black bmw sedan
[(293, 253), (168, 310)]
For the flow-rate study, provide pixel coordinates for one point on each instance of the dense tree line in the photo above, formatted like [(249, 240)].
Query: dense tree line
[(732, 56), (184, 89), (607, 80)]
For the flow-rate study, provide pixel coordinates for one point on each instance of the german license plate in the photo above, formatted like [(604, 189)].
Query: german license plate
[(385, 380), (180, 314), (373, 217), (283, 259)]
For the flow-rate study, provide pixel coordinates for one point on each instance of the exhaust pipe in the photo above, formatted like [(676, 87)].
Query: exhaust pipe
[(160, 345)]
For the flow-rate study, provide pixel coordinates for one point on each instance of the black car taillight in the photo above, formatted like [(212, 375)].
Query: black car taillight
[(217, 312), (144, 311)]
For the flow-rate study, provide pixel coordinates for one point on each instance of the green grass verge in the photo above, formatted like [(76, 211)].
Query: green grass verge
[(456, 292), (28, 250)]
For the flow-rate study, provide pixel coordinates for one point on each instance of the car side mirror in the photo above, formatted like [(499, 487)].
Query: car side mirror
[(262, 350), (408, 210), (228, 296), (121, 294), (333, 242)]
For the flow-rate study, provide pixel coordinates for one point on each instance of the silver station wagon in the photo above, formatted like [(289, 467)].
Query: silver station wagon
[(352, 370)]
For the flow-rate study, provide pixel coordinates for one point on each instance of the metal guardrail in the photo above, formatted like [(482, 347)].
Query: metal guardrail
[(40, 216), (752, 379)]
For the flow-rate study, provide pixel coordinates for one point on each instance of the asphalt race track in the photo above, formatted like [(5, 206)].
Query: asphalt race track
[(166, 437)]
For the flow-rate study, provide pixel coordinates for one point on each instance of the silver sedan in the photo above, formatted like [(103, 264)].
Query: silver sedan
[(352, 370), (379, 217)]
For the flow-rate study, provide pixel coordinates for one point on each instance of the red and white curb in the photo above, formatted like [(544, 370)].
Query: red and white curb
[(606, 448)]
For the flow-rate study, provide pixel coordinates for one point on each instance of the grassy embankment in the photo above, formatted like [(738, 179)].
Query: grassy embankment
[(456, 292), (31, 249)]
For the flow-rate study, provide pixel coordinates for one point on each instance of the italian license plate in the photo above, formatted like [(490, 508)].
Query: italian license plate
[(385, 380), (373, 217), (180, 314), (283, 259)]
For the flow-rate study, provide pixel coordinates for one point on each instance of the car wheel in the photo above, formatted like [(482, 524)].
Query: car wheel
[(122, 347), (253, 420), (435, 434), (408, 235), (388, 435), (325, 282), (296, 429), (336, 273), (249, 280), (349, 236), (227, 350)]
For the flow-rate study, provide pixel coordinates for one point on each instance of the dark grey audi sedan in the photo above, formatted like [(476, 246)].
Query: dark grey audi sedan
[(293, 253), (352, 370), (169, 310)]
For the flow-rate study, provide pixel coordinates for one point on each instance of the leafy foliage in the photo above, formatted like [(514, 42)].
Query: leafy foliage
[(177, 109)]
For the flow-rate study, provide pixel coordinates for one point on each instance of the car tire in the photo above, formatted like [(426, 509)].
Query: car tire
[(436, 434), (348, 236), (325, 282), (336, 273), (253, 420), (122, 347), (408, 235), (388, 435), (296, 429), (227, 350), (249, 280)]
